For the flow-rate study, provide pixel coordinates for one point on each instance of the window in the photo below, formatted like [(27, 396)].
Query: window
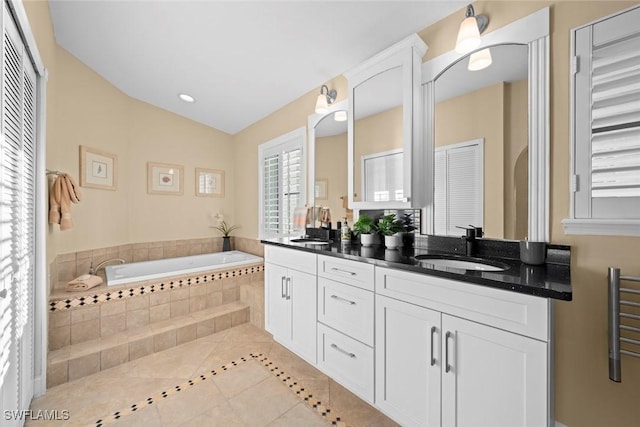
[(605, 184), (459, 188), (282, 183)]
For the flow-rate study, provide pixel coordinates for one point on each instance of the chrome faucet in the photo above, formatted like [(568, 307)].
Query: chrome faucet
[(93, 271)]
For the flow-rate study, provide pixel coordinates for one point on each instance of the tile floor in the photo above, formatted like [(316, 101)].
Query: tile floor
[(245, 394)]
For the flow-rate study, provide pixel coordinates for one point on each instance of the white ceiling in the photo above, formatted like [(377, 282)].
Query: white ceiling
[(241, 60)]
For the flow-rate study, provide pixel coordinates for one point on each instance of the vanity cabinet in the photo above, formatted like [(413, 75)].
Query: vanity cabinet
[(290, 296), (438, 368)]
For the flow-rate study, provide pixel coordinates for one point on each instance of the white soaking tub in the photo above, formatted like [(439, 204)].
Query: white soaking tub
[(147, 270)]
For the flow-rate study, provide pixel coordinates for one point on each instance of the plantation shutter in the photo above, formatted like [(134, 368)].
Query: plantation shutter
[(383, 179), (459, 189), (17, 219), (282, 183), (607, 97)]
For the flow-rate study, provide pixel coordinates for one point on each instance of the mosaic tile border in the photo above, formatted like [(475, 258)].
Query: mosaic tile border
[(160, 286), (321, 409)]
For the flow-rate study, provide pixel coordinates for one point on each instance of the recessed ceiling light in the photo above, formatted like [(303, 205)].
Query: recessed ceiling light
[(186, 98)]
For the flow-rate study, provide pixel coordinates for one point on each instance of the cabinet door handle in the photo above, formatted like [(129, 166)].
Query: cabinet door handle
[(433, 358), (288, 287), (344, 300), (350, 273), (283, 292), (446, 351), (345, 352)]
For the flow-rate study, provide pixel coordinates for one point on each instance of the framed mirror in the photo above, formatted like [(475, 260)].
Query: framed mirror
[(473, 123), (328, 161), (383, 127)]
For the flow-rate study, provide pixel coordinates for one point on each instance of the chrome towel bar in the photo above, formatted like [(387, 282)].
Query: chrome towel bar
[(616, 315)]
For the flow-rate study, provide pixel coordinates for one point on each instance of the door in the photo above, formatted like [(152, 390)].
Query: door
[(302, 291), (17, 224), (408, 362), (278, 305), (491, 377)]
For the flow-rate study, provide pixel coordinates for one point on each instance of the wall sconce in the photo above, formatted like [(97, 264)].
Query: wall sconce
[(479, 60), (324, 100), (470, 30)]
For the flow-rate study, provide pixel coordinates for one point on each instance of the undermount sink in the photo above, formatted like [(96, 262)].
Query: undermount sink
[(311, 241), (461, 263)]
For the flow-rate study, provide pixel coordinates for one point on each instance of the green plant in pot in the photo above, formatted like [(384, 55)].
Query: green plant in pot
[(389, 226), (365, 227)]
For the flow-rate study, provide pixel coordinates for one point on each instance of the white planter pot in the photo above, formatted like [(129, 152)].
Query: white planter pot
[(393, 242), (367, 239)]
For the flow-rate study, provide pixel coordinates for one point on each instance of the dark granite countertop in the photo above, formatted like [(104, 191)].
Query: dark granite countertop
[(550, 280)]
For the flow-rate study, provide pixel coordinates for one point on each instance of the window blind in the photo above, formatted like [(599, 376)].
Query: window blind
[(292, 185), (271, 191), (615, 118), (382, 174)]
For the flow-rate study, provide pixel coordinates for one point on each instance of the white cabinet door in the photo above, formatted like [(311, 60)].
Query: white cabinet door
[(278, 307), (303, 297), (408, 362), (491, 377)]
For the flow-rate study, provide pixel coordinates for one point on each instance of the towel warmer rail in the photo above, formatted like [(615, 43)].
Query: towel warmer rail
[(616, 316)]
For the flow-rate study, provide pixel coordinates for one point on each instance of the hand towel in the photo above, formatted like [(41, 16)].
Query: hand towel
[(325, 215), (81, 285), (65, 206), (54, 201), (74, 190), (300, 218)]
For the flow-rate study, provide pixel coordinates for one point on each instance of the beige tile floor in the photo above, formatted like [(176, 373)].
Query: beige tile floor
[(244, 395)]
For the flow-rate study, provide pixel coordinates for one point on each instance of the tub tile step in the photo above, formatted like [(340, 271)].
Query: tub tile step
[(86, 358)]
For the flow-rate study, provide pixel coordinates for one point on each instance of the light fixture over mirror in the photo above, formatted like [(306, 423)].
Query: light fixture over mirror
[(470, 30), (480, 60), (325, 99), (340, 116)]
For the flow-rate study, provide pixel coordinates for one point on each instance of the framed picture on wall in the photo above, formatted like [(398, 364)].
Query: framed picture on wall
[(209, 182), (164, 178), (98, 169), (321, 189)]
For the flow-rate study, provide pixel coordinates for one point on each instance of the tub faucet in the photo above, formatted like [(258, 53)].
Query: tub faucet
[(93, 271)]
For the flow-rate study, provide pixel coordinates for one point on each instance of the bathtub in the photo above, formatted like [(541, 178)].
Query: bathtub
[(149, 270)]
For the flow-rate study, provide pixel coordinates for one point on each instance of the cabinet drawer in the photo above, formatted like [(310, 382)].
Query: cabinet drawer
[(347, 361), (347, 309), (291, 258), (519, 313), (350, 272)]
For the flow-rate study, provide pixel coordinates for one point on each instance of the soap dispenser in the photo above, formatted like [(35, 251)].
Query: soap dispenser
[(345, 232)]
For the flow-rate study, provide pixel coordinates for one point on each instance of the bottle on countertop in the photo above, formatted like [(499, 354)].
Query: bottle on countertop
[(345, 232)]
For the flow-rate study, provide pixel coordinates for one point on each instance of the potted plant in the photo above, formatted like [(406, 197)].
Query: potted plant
[(389, 226), (366, 228), (226, 230)]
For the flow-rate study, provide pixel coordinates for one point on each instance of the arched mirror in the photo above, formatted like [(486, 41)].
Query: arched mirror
[(486, 136), (481, 145), (328, 161)]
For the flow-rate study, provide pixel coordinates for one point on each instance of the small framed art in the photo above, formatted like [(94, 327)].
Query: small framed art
[(321, 189), (98, 169), (209, 182), (166, 179)]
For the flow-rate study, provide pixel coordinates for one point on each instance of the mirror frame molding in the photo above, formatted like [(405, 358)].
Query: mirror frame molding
[(312, 122), (408, 54), (532, 30)]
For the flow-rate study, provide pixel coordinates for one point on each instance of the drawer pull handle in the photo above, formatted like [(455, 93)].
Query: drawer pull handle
[(344, 300), (433, 358), (288, 287), (350, 273), (345, 352), (446, 351)]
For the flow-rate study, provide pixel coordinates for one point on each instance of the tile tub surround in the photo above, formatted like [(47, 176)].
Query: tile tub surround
[(66, 267), (104, 327)]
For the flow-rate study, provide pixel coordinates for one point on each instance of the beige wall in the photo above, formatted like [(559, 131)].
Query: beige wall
[(583, 394), (331, 164), (85, 109)]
